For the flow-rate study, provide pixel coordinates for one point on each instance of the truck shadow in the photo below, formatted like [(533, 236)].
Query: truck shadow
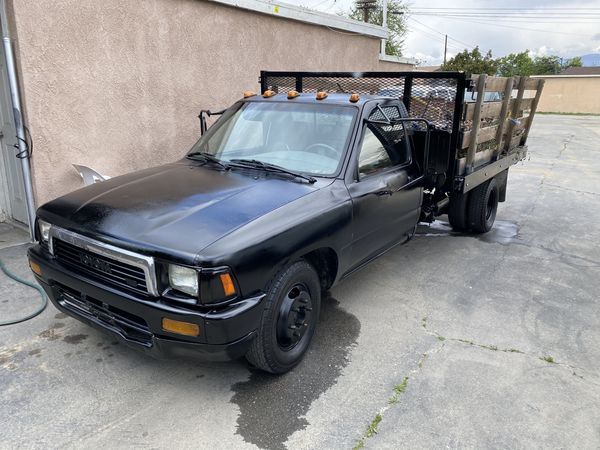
[(272, 407)]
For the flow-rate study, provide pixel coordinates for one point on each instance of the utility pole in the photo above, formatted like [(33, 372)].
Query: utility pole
[(445, 48), (384, 24), (366, 6)]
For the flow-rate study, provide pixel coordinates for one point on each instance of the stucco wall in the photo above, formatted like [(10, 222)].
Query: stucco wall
[(573, 94), (117, 85)]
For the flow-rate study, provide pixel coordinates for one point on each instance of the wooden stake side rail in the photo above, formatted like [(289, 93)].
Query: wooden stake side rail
[(492, 109), (506, 121)]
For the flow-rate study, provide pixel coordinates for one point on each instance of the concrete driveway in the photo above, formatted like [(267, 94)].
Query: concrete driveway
[(450, 341)]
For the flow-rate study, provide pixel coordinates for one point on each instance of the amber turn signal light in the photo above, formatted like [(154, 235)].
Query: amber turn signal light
[(177, 327), (293, 94), (249, 94), (269, 93), (321, 95), (35, 268), (354, 98), (227, 282)]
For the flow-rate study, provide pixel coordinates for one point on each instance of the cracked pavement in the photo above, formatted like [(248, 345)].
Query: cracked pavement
[(455, 341)]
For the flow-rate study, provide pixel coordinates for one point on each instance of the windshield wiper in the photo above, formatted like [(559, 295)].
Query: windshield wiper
[(255, 164), (207, 157)]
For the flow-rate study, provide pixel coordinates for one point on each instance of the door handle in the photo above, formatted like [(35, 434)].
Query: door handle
[(383, 192)]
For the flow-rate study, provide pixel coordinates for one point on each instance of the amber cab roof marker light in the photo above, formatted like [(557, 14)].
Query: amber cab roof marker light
[(354, 97), (293, 94), (249, 94), (269, 93), (321, 95)]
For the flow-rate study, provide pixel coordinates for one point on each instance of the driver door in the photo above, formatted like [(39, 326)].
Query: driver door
[(386, 200)]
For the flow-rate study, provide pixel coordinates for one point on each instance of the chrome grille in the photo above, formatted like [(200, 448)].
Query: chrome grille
[(104, 262), (100, 267)]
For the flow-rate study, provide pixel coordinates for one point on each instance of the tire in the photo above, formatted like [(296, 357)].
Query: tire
[(483, 205), (457, 211), (289, 319)]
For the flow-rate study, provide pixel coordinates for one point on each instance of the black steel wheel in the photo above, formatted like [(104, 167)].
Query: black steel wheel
[(289, 319), (483, 205)]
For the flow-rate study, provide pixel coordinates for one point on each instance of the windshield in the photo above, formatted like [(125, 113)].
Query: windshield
[(308, 138)]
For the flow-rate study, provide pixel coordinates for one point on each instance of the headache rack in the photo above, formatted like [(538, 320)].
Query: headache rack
[(477, 121)]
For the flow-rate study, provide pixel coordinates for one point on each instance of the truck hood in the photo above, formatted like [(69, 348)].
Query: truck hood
[(174, 210)]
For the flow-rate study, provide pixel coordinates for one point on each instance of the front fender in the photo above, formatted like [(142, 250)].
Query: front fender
[(258, 250)]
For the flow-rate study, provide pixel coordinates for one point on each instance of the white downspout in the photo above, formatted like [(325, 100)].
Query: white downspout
[(16, 104)]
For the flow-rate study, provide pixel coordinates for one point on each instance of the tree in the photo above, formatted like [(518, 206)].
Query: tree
[(395, 21), (546, 65), (515, 64), (523, 64), (473, 62), (574, 62)]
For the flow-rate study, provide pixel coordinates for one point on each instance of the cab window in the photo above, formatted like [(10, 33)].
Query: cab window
[(373, 156), (383, 146)]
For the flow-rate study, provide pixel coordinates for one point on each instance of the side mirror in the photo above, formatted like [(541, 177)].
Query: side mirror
[(203, 115)]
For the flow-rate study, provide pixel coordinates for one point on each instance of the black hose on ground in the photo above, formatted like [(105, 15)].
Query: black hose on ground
[(31, 285)]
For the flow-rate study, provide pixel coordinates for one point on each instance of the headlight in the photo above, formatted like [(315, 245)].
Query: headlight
[(183, 279), (44, 229)]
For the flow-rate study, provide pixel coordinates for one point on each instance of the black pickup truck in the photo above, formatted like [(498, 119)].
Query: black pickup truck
[(225, 253)]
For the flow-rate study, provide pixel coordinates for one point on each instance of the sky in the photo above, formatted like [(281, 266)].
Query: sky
[(555, 27)]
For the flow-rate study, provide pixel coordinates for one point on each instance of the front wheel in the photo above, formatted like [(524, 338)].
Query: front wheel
[(289, 319)]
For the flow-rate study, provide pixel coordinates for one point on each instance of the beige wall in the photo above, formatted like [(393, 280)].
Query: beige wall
[(575, 94), (117, 84)]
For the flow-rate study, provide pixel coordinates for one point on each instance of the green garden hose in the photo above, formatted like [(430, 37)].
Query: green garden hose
[(31, 285)]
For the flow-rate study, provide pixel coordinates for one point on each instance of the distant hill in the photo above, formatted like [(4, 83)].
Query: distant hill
[(591, 60)]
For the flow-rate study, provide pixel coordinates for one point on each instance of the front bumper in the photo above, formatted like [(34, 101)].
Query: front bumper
[(225, 333)]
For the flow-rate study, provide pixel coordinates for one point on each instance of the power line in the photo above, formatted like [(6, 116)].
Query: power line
[(503, 9), (516, 28), (321, 3), (443, 34), (521, 16), (522, 20), (437, 38), (585, 20)]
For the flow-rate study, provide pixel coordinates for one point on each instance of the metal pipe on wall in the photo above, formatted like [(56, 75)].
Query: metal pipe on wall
[(18, 116)]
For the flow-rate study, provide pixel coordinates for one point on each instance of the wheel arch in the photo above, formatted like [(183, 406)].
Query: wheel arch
[(326, 263)]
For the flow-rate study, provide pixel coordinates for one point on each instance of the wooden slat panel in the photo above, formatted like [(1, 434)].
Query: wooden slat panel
[(531, 83), (517, 133), (492, 84), (488, 133), (496, 84), (522, 125), (506, 105), (493, 109), (516, 107), (514, 142), (476, 121), (488, 109), (483, 135), (526, 104)]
